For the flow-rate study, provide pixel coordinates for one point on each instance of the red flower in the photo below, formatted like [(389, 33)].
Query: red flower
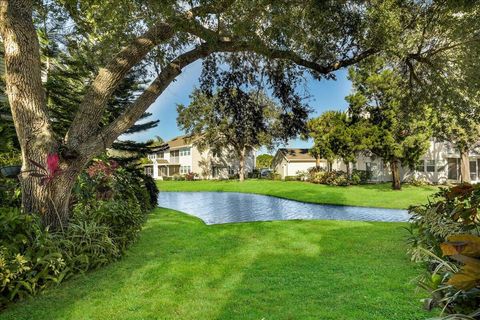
[(52, 163), (49, 173)]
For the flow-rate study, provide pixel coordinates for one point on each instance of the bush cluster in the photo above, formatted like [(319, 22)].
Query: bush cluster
[(434, 227), (337, 178), (109, 207)]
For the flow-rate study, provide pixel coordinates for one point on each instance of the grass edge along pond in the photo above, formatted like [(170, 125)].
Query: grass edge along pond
[(370, 195), (182, 269)]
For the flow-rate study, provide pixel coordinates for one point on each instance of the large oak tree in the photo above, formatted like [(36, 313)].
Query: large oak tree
[(165, 37)]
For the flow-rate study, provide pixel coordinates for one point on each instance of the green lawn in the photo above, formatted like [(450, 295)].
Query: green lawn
[(183, 269), (372, 195)]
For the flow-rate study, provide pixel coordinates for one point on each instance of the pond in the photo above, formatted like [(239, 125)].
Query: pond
[(227, 207)]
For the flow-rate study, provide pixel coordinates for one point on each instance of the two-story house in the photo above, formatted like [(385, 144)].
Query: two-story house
[(180, 156)]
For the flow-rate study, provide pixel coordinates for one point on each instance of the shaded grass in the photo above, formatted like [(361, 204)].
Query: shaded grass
[(183, 269), (371, 195)]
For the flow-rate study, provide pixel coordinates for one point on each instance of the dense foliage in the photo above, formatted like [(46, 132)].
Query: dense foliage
[(337, 178), (110, 205), (445, 238), (264, 161)]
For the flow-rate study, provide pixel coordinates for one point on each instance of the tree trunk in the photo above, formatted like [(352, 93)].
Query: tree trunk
[(464, 166), (347, 166), (241, 172), (395, 169), (51, 200), (317, 162)]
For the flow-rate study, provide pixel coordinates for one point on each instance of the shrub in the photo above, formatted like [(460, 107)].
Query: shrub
[(9, 193), (191, 176), (292, 178), (452, 217), (106, 181), (337, 178), (30, 259), (122, 218), (274, 176)]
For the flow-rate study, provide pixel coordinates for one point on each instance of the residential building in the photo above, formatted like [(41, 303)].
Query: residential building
[(180, 156), (440, 164)]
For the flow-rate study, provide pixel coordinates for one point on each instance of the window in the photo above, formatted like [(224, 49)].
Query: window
[(354, 165), (149, 171), (160, 155), (420, 166), (185, 169), (231, 171), (473, 170), (430, 165), (185, 152)]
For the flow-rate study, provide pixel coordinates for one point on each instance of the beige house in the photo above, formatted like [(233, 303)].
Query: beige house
[(440, 164), (180, 156)]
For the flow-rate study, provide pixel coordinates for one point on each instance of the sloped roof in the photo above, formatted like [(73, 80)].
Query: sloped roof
[(296, 155), (181, 141)]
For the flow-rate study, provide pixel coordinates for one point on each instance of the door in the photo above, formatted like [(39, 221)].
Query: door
[(452, 168)]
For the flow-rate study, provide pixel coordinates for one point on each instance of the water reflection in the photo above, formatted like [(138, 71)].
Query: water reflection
[(225, 207)]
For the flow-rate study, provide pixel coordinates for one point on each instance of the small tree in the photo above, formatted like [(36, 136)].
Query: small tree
[(319, 129), (233, 119), (399, 129), (264, 161)]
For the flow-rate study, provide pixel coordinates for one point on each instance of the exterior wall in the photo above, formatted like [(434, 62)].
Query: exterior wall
[(293, 168)]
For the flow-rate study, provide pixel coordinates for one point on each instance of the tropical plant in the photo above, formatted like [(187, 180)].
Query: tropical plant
[(445, 237)]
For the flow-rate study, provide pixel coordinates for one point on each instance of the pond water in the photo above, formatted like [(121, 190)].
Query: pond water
[(227, 207)]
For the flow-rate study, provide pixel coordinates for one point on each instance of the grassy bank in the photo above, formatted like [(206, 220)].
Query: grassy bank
[(373, 195), (183, 269)]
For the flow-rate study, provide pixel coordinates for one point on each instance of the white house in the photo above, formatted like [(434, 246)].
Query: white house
[(180, 156), (440, 164)]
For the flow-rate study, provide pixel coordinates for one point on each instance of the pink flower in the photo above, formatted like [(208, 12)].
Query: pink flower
[(52, 164)]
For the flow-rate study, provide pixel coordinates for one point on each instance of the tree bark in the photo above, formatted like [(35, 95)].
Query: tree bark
[(395, 169), (464, 166), (241, 173), (347, 166), (317, 162)]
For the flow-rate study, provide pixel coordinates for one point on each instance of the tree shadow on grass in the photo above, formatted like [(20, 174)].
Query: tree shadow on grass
[(182, 269)]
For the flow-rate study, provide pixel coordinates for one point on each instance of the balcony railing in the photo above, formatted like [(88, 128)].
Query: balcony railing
[(174, 160)]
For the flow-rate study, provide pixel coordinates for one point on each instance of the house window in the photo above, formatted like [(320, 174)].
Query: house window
[(453, 167), (420, 166), (185, 169), (354, 165), (431, 166), (185, 152), (149, 171), (160, 155), (473, 170), (231, 171)]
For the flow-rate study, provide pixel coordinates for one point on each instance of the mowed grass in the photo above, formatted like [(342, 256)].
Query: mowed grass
[(183, 269), (371, 195)]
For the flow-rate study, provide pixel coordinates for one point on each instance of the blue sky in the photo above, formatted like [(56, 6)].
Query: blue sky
[(324, 95)]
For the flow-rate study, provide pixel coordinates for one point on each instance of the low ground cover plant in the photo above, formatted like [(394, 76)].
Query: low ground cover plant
[(445, 238)]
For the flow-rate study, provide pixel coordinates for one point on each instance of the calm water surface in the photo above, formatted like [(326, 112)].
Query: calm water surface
[(226, 207)]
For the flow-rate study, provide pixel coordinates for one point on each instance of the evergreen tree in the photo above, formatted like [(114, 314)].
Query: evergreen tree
[(399, 128)]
